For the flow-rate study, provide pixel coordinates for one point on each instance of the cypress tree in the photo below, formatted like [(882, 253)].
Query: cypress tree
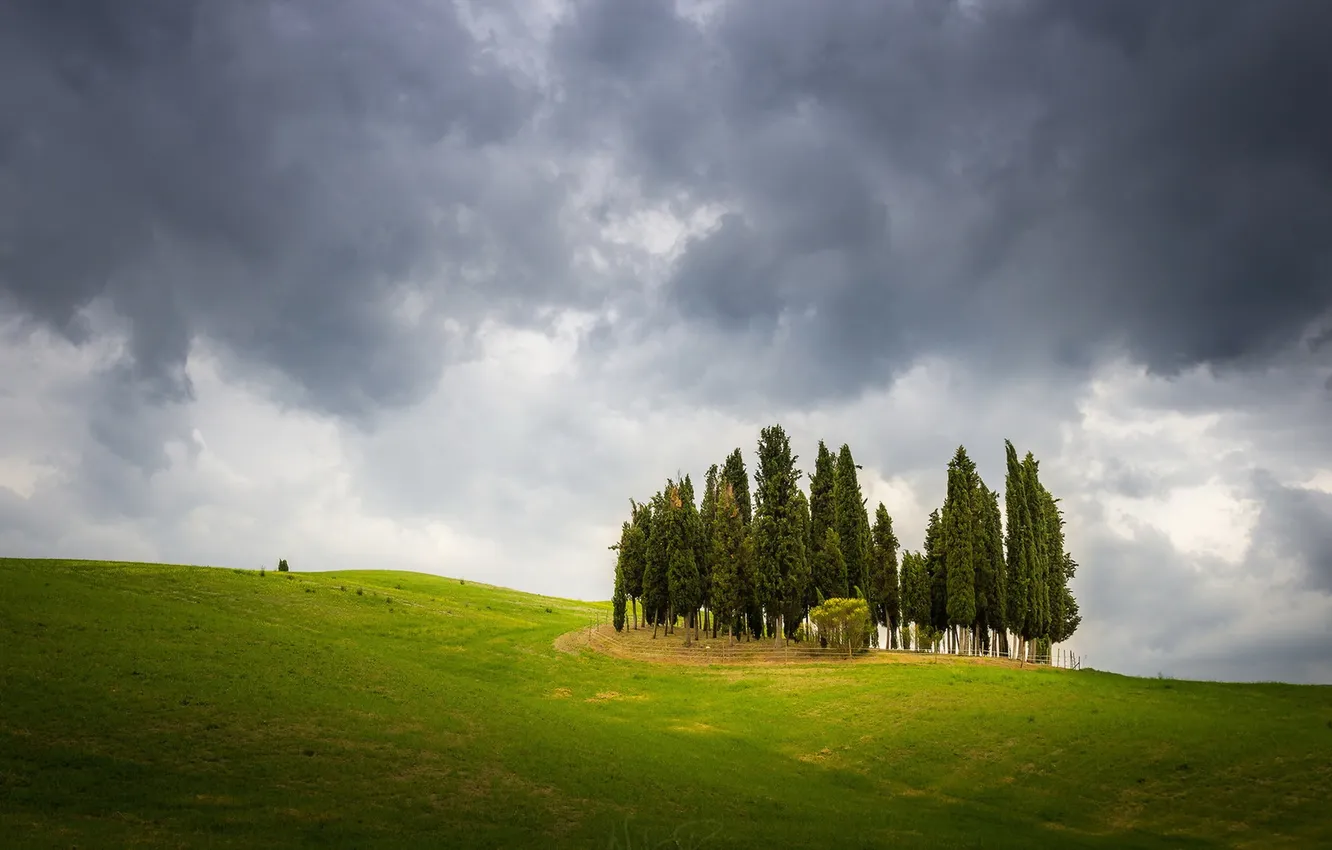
[(833, 562), (1038, 586), (822, 509), (932, 558), (799, 582), (887, 594), (778, 542), (682, 564), (916, 594), (960, 532), (734, 473), (633, 551), (731, 553), (849, 519), (618, 598), (656, 590), (1017, 547), (991, 593), (708, 518)]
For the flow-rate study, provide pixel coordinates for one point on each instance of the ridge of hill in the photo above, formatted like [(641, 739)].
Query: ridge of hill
[(169, 706)]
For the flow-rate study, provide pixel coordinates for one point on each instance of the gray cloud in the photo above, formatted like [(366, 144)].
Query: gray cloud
[(1024, 180), (272, 175)]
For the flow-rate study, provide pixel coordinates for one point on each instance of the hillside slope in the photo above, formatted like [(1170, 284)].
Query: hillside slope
[(165, 706)]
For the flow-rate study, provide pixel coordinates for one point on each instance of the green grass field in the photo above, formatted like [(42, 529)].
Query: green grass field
[(163, 706)]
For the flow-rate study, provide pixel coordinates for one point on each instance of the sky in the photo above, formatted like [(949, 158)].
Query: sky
[(440, 286)]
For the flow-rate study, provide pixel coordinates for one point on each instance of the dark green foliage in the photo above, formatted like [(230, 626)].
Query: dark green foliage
[(934, 568), (282, 565), (831, 562), (618, 598), (850, 520), (684, 586), (732, 556), (1064, 629), (822, 509), (1038, 606), (883, 572), (991, 579), (916, 604), (778, 543), (960, 528), (734, 473), (1017, 566), (708, 521), (656, 591), (799, 582)]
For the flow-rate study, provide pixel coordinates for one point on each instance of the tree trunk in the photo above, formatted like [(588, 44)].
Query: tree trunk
[(654, 627), (688, 626), (633, 602)]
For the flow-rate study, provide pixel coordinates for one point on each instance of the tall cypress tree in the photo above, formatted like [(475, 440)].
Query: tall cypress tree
[(799, 582), (656, 587), (731, 553), (991, 591), (734, 473), (883, 562), (1017, 546), (708, 517), (916, 602), (1038, 587), (960, 531), (618, 598), (822, 509), (849, 520), (682, 571), (633, 552), (778, 542), (834, 562), (933, 563)]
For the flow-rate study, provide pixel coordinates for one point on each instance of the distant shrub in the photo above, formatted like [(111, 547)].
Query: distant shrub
[(262, 572), (343, 588), (290, 577), (397, 587), (548, 610), (460, 581), (360, 592), (309, 590), (388, 599), (282, 565)]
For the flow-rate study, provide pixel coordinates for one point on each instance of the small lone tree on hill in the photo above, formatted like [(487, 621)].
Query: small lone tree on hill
[(282, 565)]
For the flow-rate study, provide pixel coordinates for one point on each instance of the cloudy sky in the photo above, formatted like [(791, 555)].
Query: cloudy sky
[(439, 285)]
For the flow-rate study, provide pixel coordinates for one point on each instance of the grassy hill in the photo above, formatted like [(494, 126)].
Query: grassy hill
[(164, 706)]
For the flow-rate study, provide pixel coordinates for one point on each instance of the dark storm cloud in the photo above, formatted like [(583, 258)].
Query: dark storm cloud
[(270, 174), (1014, 180)]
